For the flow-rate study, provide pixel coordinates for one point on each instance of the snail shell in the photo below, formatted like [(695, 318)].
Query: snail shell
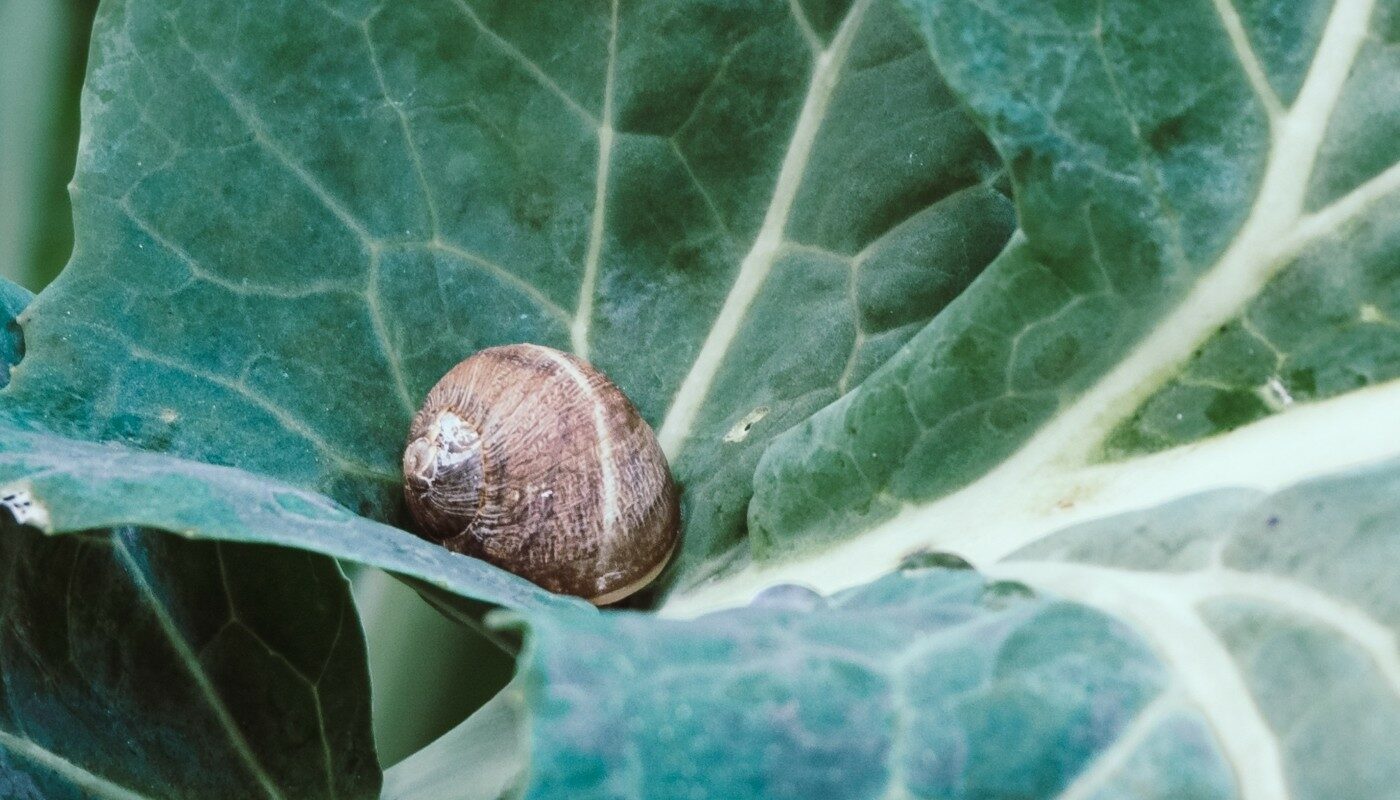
[(530, 459)]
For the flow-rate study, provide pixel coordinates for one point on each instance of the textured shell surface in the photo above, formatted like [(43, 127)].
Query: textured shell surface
[(530, 459)]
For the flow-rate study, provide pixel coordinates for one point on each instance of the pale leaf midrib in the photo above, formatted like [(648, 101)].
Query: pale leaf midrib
[(1055, 467), (1375, 639), (1350, 431), (754, 269), (588, 286), (1207, 672), (1259, 250)]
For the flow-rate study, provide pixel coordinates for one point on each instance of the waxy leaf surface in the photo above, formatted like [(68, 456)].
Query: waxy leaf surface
[(292, 222), (139, 666), (1203, 292)]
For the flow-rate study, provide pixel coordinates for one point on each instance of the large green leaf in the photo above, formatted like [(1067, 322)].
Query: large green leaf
[(1254, 655), (62, 485), (137, 665), (929, 683), (1278, 615), (292, 222), (1203, 295)]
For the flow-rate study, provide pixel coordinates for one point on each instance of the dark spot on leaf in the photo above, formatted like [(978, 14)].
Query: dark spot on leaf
[(1302, 382), (532, 204), (1169, 133), (1029, 162), (158, 440), (968, 349), (1230, 410), (686, 257)]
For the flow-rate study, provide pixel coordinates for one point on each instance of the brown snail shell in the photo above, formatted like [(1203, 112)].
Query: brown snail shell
[(531, 459)]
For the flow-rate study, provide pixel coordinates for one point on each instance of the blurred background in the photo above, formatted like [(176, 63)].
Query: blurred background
[(428, 673), (43, 51)]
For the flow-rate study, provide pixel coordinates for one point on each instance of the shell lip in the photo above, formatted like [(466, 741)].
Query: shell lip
[(614, 595)]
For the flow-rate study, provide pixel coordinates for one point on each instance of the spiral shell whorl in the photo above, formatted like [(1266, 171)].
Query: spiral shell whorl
[(443, 467), (563, 484)]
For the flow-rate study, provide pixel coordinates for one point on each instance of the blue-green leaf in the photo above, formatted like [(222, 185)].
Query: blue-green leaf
[(930, 683), (291, 222), (1203, 293), (63, 485), (1253, 654), (138, 666), (1277, 613)]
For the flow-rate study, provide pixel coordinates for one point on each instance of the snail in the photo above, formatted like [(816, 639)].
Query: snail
[(531, 459)]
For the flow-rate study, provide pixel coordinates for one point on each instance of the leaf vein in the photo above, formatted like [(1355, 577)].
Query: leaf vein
[(197, 672)]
